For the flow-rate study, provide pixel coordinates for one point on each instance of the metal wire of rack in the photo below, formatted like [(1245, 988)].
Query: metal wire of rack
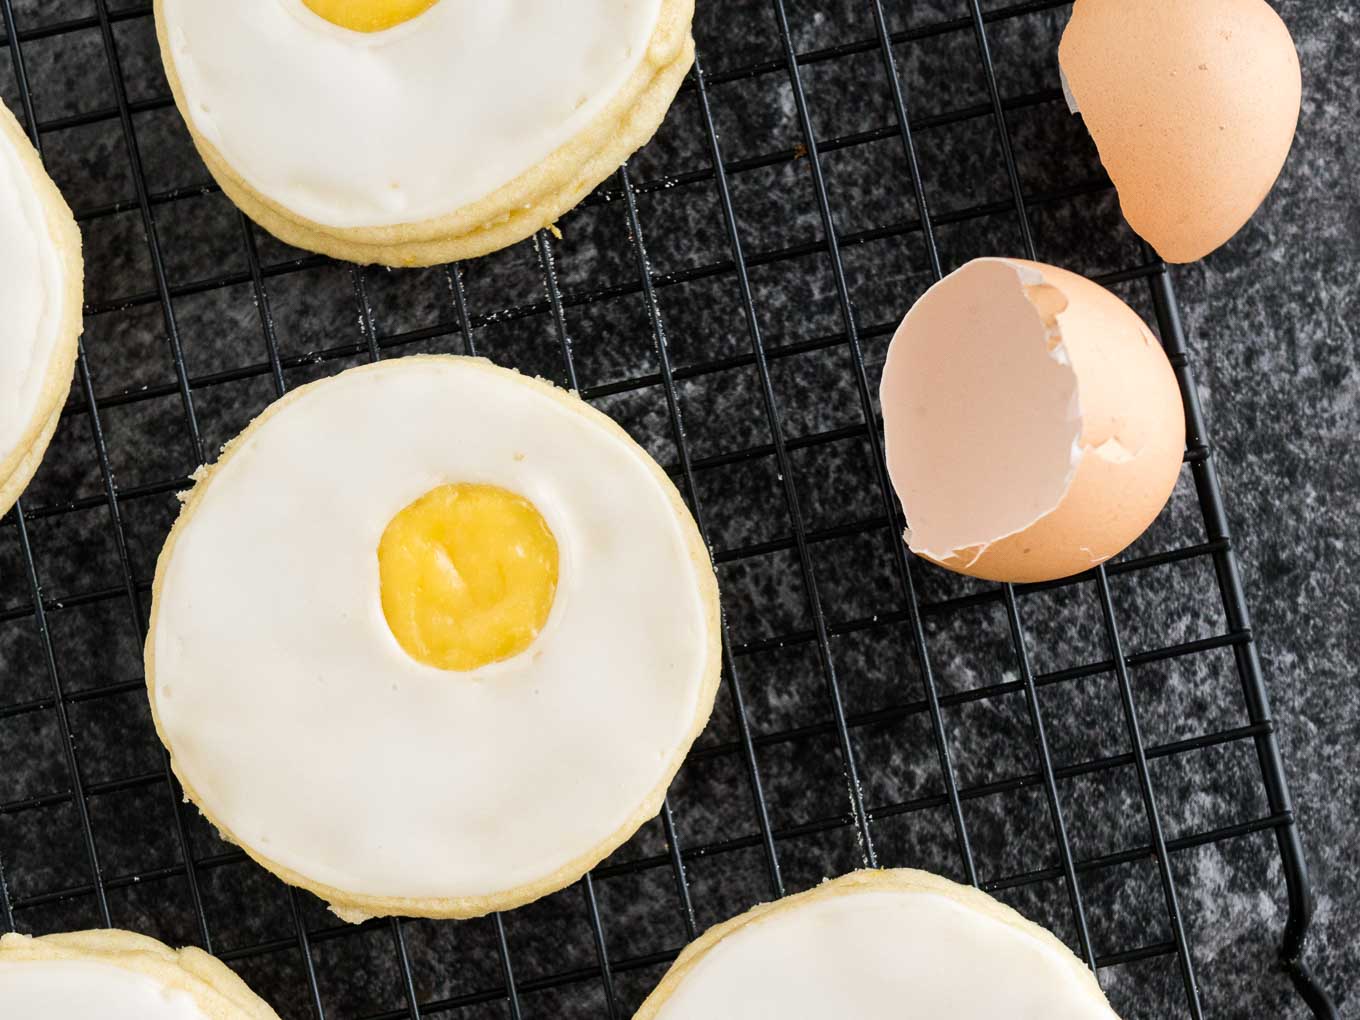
[(844, 657)]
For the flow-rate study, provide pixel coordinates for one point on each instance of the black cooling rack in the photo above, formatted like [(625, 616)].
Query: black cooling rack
[(1099, 752)]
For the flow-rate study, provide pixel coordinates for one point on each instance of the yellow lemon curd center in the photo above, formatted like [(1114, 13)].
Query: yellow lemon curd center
[(468, 575), (369, 15)]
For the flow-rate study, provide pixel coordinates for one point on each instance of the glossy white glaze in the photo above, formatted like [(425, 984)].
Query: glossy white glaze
[(349, 129), (84, 990), (304, 727), (32, 296), (882, 955)]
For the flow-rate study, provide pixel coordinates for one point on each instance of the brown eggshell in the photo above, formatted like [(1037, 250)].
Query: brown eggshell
[(1034, 427), (1193, 106)]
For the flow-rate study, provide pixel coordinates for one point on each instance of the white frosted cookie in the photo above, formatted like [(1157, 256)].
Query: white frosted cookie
[(117, 975), (41, 287), (432, 638), (455, 128), (879, 945)]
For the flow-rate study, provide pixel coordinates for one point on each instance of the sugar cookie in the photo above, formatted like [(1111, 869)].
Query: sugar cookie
[(117, 975), (455, 128), (41, 286), (879, 945), (432, 638)]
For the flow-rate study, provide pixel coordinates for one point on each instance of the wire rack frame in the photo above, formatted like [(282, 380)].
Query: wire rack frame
[(462, 323)]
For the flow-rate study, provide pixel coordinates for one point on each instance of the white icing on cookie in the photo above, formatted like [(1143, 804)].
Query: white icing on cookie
[(882, 955), (32, 299), (82, 990), (302, 726), (349, 129)]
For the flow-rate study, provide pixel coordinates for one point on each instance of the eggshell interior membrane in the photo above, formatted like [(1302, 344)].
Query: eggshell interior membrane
[(1193, 107), (1033, 424)]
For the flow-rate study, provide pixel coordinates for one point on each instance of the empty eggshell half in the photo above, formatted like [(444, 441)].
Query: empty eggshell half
[(1033, 424), (1193, 106)]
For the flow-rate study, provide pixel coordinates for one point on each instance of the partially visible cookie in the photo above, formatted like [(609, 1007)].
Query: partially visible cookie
[(118, 975), (879, 945), (41, 288), (455, 128)]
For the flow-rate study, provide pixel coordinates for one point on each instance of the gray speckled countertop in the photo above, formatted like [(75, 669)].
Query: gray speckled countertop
[(1271, 321)]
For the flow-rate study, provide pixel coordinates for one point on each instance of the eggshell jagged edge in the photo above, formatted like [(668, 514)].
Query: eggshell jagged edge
[(1126, 440)]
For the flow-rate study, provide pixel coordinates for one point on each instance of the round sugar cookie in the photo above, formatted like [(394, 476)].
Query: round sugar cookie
[(41, 288), (118, 975), (432, 638), (879, 945), (415, 132)]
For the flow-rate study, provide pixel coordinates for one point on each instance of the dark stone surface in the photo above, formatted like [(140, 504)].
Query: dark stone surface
[(1271, 322)]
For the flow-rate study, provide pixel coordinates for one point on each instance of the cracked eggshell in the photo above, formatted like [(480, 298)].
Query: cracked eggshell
[(1034, 427), (1193, 107)]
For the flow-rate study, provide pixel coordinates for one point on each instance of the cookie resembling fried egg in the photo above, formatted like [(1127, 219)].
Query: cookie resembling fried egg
[(432, 638)]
